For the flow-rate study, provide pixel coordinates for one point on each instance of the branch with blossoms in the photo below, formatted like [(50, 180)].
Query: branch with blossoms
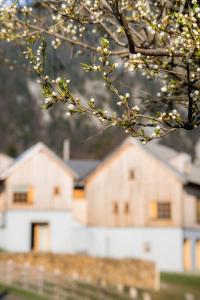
[(160, 40)]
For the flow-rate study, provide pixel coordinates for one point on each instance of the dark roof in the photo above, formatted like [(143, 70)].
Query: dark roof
[(5, 161), (162, 152), (194, 176), (82, 167)]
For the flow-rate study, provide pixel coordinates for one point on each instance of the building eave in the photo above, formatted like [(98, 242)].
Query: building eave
[(132, 141), (31, 152)]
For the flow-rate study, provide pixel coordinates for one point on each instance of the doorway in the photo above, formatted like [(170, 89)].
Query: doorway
[(197, 250), (187, 255), (40, 237)]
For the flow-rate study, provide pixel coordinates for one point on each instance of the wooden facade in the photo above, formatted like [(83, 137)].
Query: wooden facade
[(38, 176), (129, 188), (153, 182)]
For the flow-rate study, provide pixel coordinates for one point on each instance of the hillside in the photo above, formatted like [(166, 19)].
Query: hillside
[(23, 123)]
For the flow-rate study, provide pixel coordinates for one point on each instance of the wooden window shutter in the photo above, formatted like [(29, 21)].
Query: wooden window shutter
[(154, 210), (30, 194)]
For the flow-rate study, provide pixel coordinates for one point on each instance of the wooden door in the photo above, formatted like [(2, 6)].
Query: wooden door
[(41, 237), (187, 255)]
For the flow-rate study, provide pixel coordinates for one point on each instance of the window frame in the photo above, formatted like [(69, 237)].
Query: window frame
[(79, 192), (56, 191), (131, 174), (16, 197), (115, 208), (126, 207), (23, 194), (164, 210)]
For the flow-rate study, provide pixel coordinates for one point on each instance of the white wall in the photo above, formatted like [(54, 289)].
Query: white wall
[(2, 238), (18, 230), (68, 236), (165, 244)]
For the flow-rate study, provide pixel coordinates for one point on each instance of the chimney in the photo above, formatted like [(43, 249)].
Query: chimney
[(66, 150)]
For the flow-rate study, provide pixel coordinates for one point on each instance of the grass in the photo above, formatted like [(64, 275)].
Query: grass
[(21, 294), (76, 291), (175, 286), (189, 280)]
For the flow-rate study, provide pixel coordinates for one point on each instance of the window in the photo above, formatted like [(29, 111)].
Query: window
[(56, 191), (197, 254), (131, 174), (79, 193), (126, 208), (160, 210), (115, 208), (2, 186), (2, 219), (23, 194), (20, 197), (164, 210), (147, 247), (153, 210), (198, 210), (187, 255)]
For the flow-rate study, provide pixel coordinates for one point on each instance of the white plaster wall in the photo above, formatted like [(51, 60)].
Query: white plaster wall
[(2, 230), (18, 230), (2, 238), (68, 236), (165, 244)]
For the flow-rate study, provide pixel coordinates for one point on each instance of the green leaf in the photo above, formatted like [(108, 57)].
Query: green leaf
[(86, 67), (46, 106)]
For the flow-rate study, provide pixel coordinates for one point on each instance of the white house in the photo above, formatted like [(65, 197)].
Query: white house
[(140, 201), (35, 203)]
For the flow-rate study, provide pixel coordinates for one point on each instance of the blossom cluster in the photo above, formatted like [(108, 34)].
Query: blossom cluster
[(158, 39)]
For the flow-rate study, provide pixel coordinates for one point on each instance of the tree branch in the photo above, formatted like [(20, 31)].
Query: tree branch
[(188, 125), (124, 24)]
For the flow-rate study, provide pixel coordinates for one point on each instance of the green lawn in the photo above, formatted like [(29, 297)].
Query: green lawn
[(20, 294), (174, 286)]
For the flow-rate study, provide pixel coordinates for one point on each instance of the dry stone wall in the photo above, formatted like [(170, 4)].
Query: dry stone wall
[(126, 272)]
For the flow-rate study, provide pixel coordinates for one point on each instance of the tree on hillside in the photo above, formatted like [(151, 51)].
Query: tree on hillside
[(158, 39)]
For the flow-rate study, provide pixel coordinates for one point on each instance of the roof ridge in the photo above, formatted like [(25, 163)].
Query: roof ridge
[(28, 153)]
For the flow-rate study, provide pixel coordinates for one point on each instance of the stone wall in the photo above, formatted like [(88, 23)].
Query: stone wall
[(126, 272)]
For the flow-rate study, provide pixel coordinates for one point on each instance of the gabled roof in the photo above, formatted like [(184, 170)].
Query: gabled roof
[(165, 154), (194, 176), (34, 150), (82, 167), (160, 152)]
